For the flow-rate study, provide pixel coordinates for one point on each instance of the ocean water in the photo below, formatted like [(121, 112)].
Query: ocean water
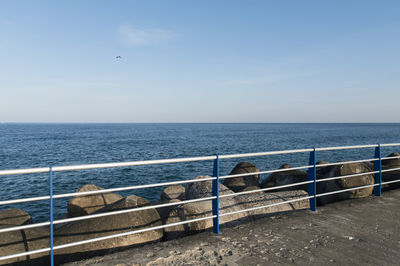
[(38, 145)]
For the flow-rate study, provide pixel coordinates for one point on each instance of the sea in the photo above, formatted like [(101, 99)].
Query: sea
[(24, 145)]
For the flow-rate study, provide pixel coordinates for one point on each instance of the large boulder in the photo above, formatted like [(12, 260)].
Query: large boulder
[(196, 210), (21, 241), (248, 201), (392, 163), (391, 175), (84, 205), (173, 192), (239, 183), (14, 217), (189, 211), (110, 225), (286, 178), (203, 189), (164, 211), (237, 204), (344, 183)]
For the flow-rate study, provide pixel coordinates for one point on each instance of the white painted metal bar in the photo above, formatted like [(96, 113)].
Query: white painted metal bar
[(345, 190), (390, 144), (105, 165), (67, 220), (176, 160), (25, 254), (131, 188), (388, 158), (131, 232), (346, 162), (86, 193), (346, 176), (25, 171), (266, 206), (266, 172), (4, 202), (265, 189), (390, 170), (346, 147), (257, 154), (23, 227), (390, 182)]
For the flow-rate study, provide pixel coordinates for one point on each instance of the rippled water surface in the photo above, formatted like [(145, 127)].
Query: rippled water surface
[(38, 145)]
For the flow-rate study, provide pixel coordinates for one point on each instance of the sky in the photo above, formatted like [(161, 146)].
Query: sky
[(200, 61)]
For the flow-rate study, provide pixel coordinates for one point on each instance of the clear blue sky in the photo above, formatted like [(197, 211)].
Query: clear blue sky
[(200, 61)]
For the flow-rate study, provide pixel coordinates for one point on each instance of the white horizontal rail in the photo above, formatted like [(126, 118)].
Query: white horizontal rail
[(390, 182), (94, 192), (388, 158), (178, 160), (346, 162), (390, 144), (346, 147), (24, 200), (132, 187), (266, 189), (267, 153), (23, 227), (67, 220), (345, 190), (105, 165), (345, 176), (266, 206), (131, 232), (25, 254), (390, 170), (266, 172)]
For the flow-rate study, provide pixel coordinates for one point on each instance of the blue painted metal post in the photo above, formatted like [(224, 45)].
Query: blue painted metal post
[(51, 216), (215, 192), (378, 167), (312, 176)]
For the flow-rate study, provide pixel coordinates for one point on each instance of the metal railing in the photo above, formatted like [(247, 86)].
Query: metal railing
[(311, 183)]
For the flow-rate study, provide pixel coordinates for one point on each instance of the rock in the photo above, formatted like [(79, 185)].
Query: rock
[(204, 189), (285, 178), (344, 183), (196, 210), (253, 188), (84, 205), (391, 175), (392, 163), (173, 192), (200, 209), (14, 217), (22, 241), (109, 225), (164, 211), (350, 182), (248, 201), (239, 183)]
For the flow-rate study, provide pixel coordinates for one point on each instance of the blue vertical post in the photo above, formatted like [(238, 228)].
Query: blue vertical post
[(215, 192), (378, 167), (312, 176), (51, 215)]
